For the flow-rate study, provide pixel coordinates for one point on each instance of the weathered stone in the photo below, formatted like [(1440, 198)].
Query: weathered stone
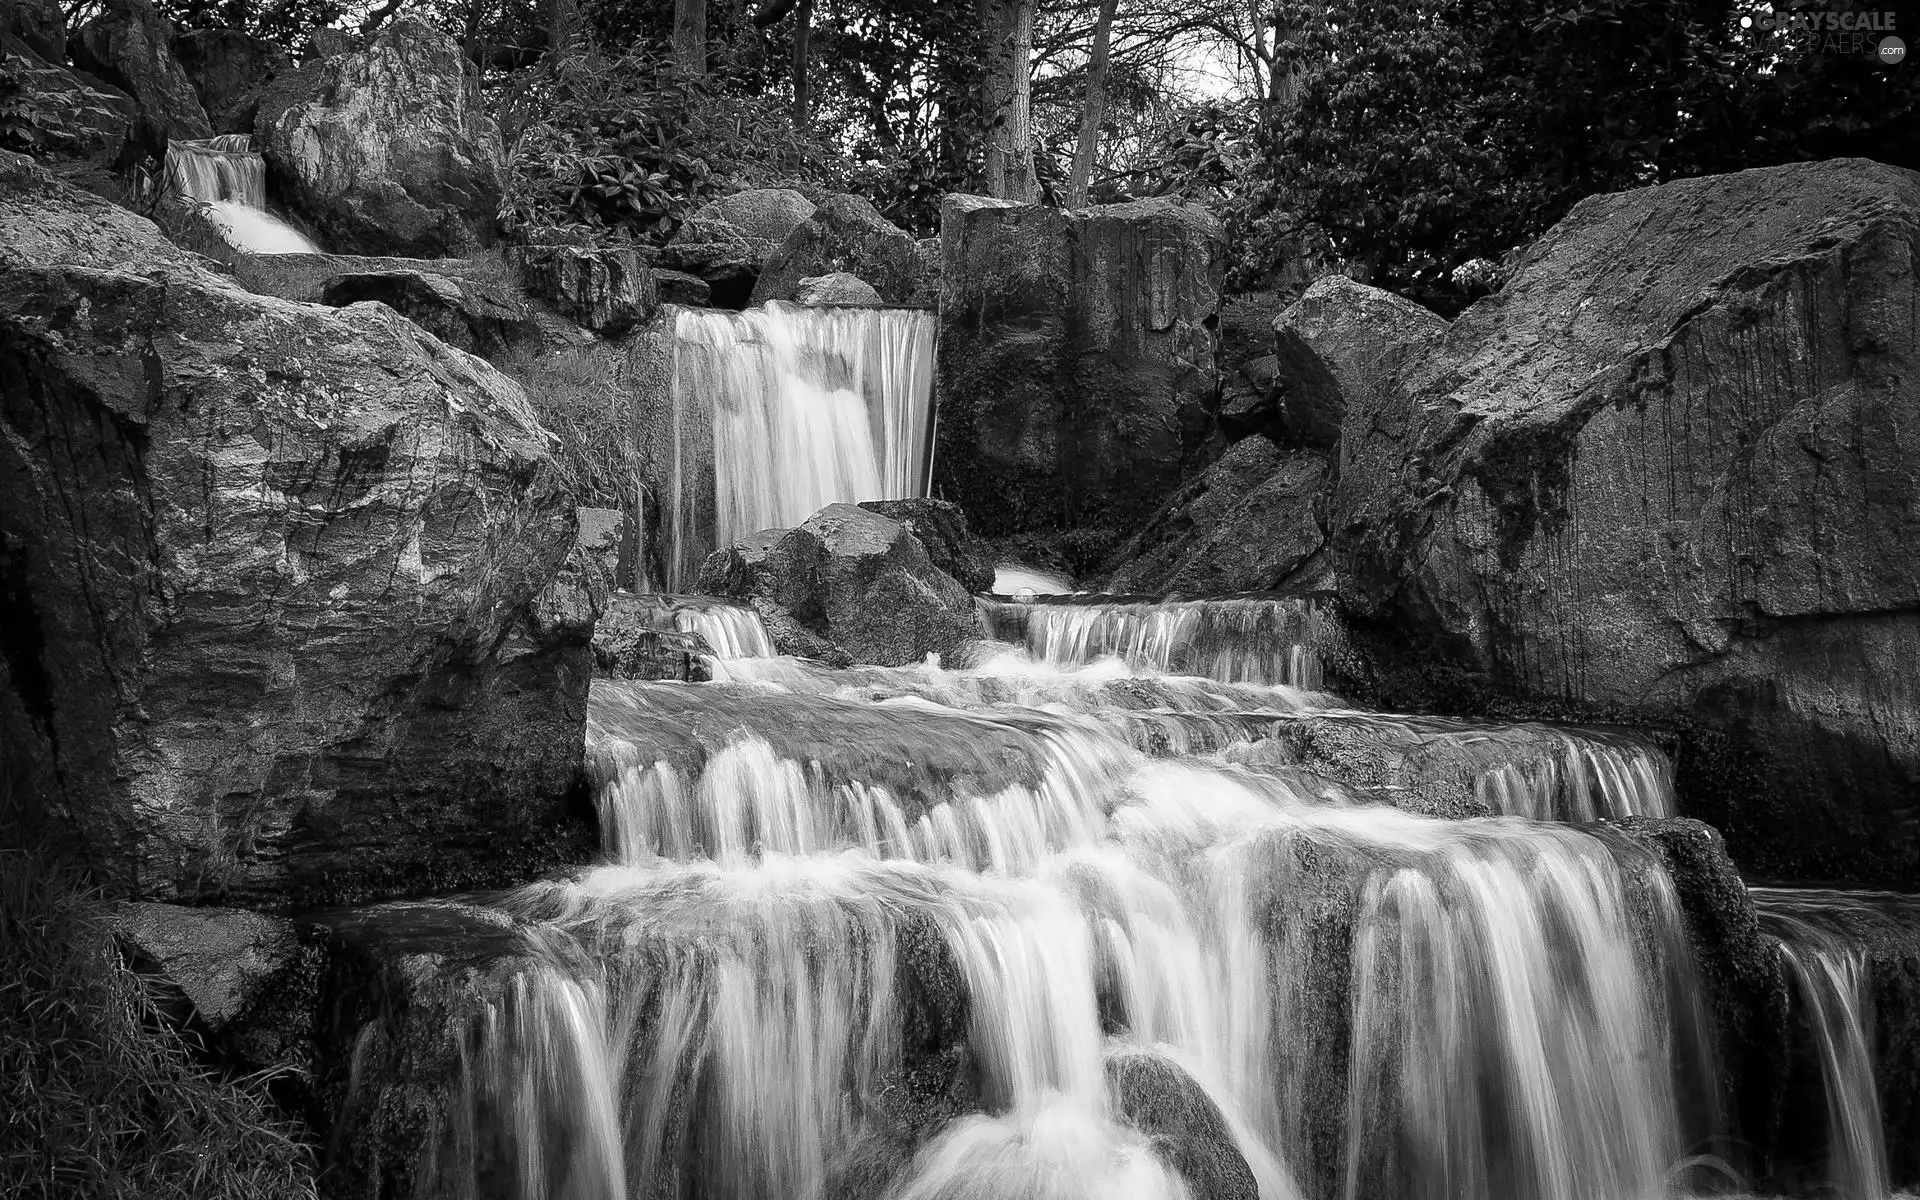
[(229, 71), (218, 959), (1670, 474), (845, 234), (40, 24), (479, 318), (1340, 346), (636, 638), (678, 287), (760, 217), (851, 578), (1151, 1093), (1246, 525), (836, 288), (304, 277), (281, 620), (1076, 362), (97, 118), (942, 529), (388, 150), (1249, 376), (602, 545), (129, 46), (607, 290)]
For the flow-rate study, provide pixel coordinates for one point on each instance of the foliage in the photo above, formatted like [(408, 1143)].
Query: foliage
[(582, 400), (99, 1095)]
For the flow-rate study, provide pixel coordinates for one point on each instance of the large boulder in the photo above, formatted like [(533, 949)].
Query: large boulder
[(847, 580), (129, 46), (229, 71), (216, 960), (837, 288), (281, 620), (607, 290), (1151, 1093), (40, 24), (388, 150), (477, 316), (725, 243), (1246, 525), (1671, 474), (1076, 374), (96, 120), (942, 529), (845, 234), (1341, 345)]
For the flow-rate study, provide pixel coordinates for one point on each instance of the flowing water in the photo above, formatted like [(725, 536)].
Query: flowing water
[(227, 178), (922, 932), (779, 411)]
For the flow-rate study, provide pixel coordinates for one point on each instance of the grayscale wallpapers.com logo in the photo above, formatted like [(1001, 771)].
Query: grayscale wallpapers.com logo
[(1870, 33)]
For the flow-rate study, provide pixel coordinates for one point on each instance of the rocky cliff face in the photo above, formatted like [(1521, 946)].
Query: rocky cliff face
[(1672, 473), (277, 581), (388, 150), (1076, 378)]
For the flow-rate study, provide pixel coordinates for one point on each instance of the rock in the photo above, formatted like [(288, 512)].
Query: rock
[(851, 578), (926, 285), (1341, 346), (1246, 525), (1670, 475), (305, 277), (942, 529), (282, 621), (1151, 1093), (1076, 375), (606, 290), (1249, 374), (229, 71), (388, 150), (726, 242), (602, 546), (40, 24), (836, 288), (678, 287), (636, 639), (129, 46), (218, 959), (99, 119), (482, 319), (845, 234)]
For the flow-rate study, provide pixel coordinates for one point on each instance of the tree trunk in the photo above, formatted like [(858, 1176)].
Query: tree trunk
[(560, 23), (1008, 26), (802, 34), (690, 36), (1096, 108)]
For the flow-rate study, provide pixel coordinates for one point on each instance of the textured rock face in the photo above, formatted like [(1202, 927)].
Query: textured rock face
[(607, 291), (100, 117), (725, 243), (1247, 525), (41, 24), (1342, 345), (942, 529), (636, 638), (479, 318), (128, 46), (850, 580), (1249, 377), (1672, 471), (836, 288), (278, 582), (389, 150), (218, 959), (229, 71), (1076, 371), (1152, 1094), (847, 235)]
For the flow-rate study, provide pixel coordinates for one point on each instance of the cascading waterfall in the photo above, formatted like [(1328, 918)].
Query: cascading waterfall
[(1824, 953), (227, 178), (1252, 641), (781, 410), (899, 931)]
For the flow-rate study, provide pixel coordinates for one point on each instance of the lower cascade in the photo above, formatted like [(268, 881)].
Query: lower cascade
[(1064, 923), (226, 178)]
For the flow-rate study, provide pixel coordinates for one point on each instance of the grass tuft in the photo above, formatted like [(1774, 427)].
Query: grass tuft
[(99, 1095)]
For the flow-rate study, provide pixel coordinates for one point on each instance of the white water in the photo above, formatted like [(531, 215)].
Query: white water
[(789, 409), (892, 925), (228, 179), (1021, 582)]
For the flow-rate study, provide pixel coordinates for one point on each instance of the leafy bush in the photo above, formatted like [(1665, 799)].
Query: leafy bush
[(99, 1095)]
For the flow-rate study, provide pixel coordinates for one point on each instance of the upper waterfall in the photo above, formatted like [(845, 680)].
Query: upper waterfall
[(227, 178), (781, 410)]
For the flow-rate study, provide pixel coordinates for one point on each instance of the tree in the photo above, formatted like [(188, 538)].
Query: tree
[(1096, 107), (1008, 28), (690, 36)]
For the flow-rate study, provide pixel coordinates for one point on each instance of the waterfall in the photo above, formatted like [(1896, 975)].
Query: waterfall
[(1826, 957), (781, 410), (906, 932), (1255, 641), (226, 177)]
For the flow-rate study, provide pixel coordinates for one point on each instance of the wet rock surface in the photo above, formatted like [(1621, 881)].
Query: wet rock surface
[(387, 150), (1667, 474), (280, 580), (850, 578), (942, 528), (1077, 373), (1189, 1134)]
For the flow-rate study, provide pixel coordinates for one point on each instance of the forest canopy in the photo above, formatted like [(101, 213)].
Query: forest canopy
[(1414, 142)]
